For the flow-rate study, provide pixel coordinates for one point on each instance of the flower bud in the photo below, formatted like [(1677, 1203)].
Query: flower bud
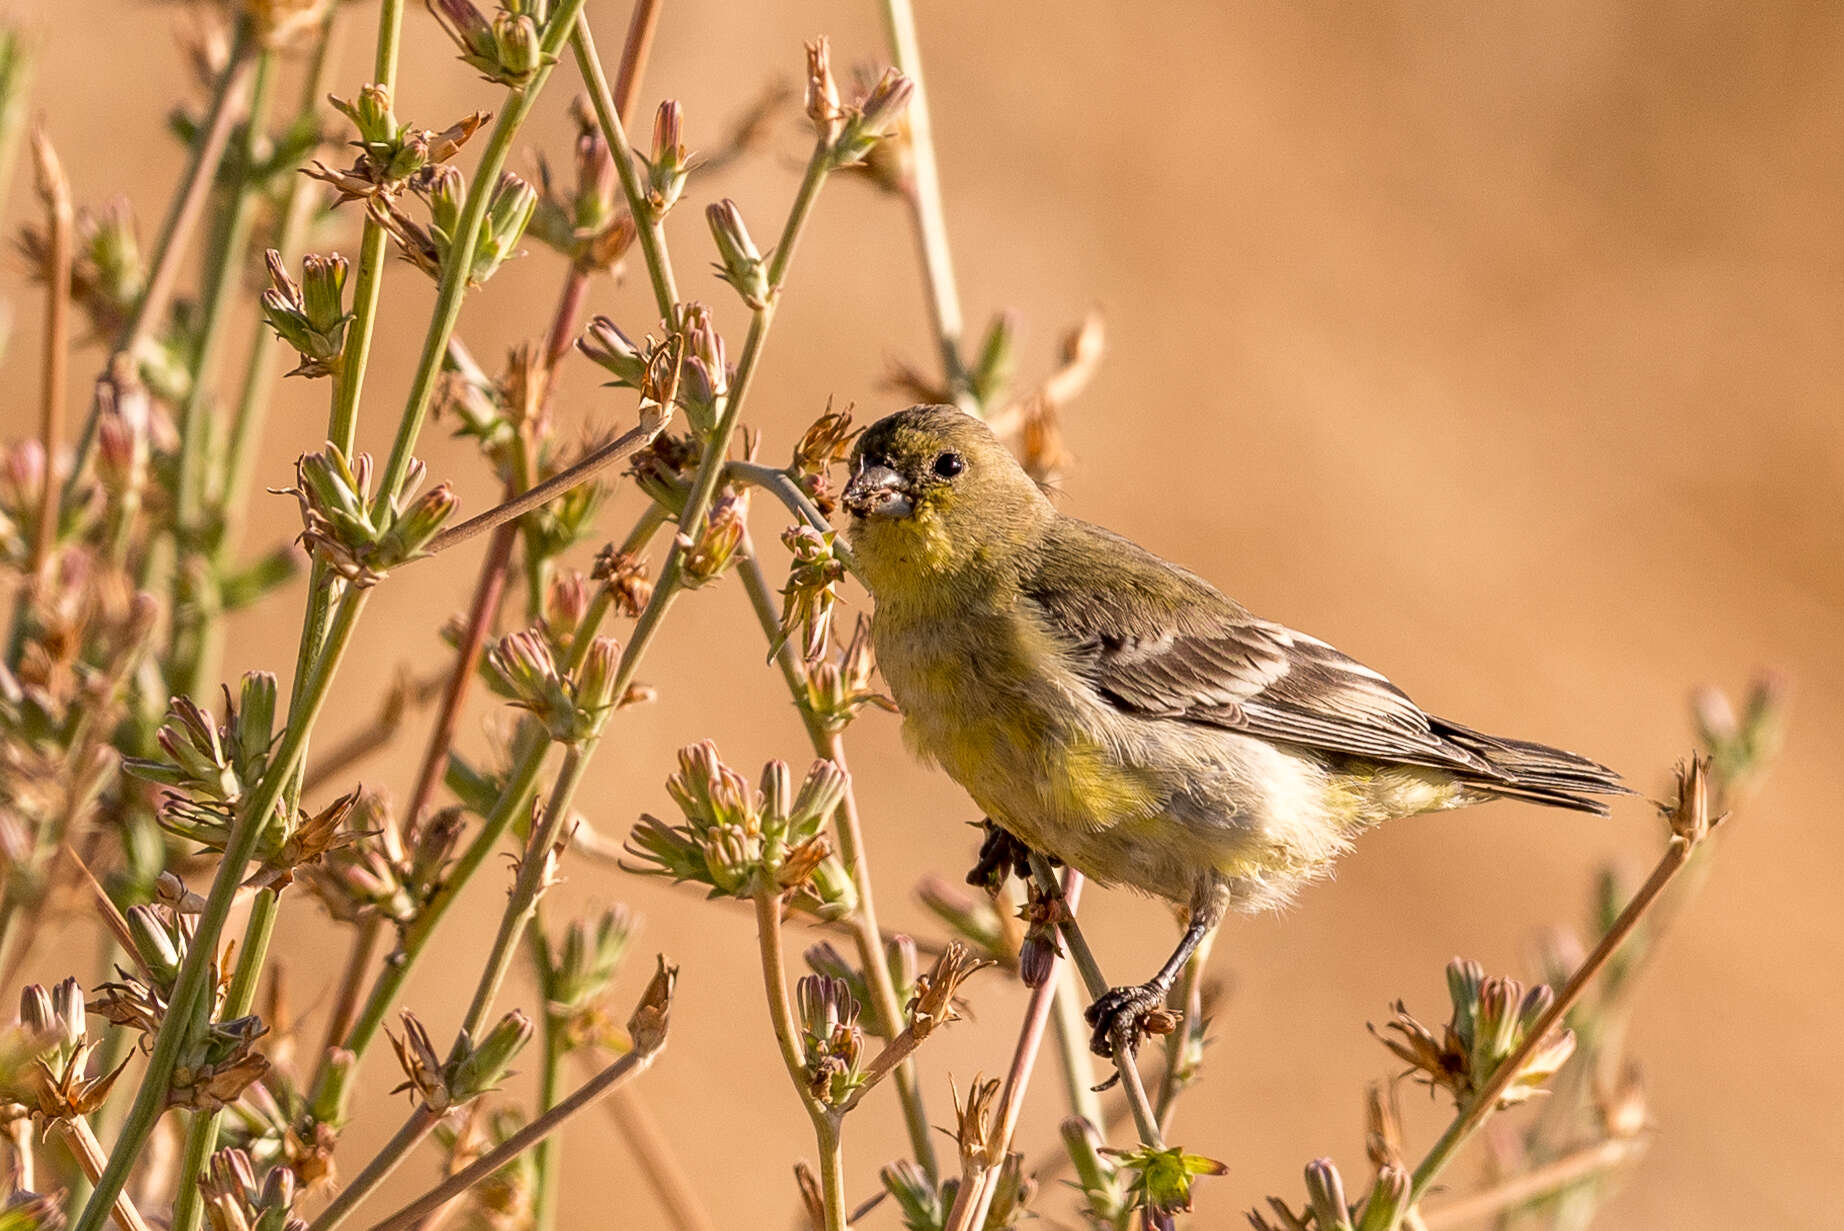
[(515, 37), (508, 212), (595, 684), (1389, 1200), (415, 526), (1325, 1193), (481, 1068), (822, 100), (669, 166), (740, 262), (606, 345)]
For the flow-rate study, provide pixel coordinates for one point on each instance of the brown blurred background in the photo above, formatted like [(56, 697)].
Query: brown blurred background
[(1497, 344)]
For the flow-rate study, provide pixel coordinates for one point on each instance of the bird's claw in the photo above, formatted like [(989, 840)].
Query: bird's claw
[(1124, 1016), (1001, 856)]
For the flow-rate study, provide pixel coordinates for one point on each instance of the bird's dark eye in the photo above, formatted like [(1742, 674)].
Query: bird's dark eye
[(950, 464)]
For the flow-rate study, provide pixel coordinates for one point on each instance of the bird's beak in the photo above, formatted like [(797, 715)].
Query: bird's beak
[(878, 491)]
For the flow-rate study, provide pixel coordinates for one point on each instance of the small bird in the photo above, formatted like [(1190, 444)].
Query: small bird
[(1121, 714)]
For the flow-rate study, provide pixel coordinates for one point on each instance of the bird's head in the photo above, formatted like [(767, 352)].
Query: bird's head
[(933, 493)]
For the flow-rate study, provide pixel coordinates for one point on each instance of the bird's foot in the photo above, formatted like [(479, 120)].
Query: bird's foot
[(1001, 855), (1124, 1016)]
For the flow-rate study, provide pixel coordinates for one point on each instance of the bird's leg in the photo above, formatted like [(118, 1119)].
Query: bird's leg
[(1121, 1017)]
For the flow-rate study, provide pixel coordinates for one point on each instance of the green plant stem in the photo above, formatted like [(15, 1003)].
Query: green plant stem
[(924, 197), (1484, 1102), (528, 886), (850, 833), (202, 1131), (1191, 1004), (781, 485), (600, 1086), (984, 1186), (419, 1125), (252, 818), (457, 272), (194, 592), (1072, 1052), (368, 274), (253, 398), (547, 1158), (1084, 960), (767, 900), (647, 228), (332, 1081)]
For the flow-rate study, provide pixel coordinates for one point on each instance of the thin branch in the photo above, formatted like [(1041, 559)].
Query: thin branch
[(1690, 828), (924, 196), (419, 1125), (1017, 1079), (653, 421), (1552, 1177), (659, 1165), (648, 1029), (54, 192), (403, 695), (75, 1133), (183, 216), (112, 916), (614, 132), (1084, 958)]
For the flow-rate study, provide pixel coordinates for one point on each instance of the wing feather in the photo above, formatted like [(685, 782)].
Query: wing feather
[(1156, 640)]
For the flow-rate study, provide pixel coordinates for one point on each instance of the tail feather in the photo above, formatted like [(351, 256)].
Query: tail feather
[(1536, 772)]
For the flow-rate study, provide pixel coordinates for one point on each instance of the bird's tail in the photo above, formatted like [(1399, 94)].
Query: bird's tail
[(1536, 772)]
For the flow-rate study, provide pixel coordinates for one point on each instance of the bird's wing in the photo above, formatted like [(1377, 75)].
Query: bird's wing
[(1154, 639)]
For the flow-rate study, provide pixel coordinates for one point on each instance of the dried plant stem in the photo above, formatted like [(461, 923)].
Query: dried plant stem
[(112, 917), (420, 1124), (75, 1133), (608, 1080), (924, 196), (659, 1165), (1084, 960), (983, 1184), (349, 382), (54, 191), (1588, 1163), (653, 421), (1484, 1102), (609, 115), (150, 1098), (457, 272)]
